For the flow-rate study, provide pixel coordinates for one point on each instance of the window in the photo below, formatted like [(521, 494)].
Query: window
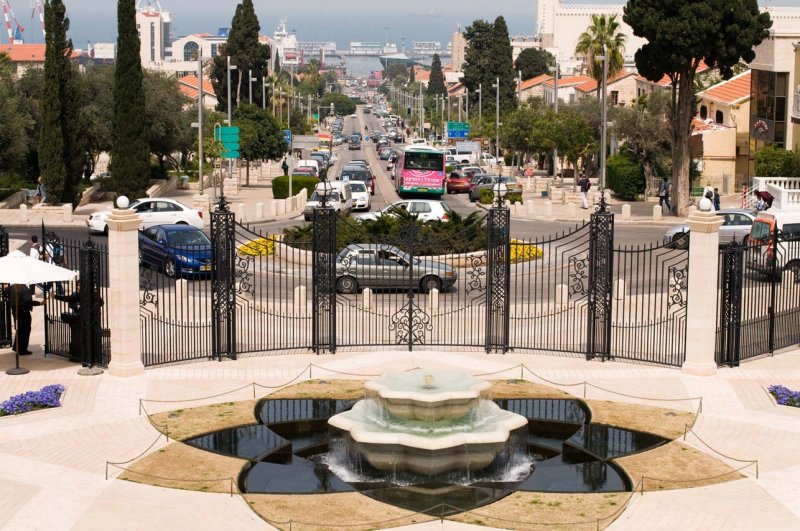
[(214, 48), (420, 208), (152, 43), (614, 97), (719, 117), (366, 258), (703, 112), (191, 51)]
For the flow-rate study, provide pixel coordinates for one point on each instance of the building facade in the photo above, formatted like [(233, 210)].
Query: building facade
[(458, 47), (155, 35)]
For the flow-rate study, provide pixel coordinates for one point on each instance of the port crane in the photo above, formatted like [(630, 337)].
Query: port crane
[(14, 32), (36, 5)]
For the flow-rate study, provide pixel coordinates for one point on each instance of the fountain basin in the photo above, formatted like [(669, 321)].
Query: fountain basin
[(429, 396)]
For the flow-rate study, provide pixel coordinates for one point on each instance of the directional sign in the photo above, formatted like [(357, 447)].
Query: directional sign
[(287, 137), (229, 136), (457, 130)]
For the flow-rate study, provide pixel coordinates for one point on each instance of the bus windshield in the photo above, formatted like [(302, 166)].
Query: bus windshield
[(760, 231), (424, 161)]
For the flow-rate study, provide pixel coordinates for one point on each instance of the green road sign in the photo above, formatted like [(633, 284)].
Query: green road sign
[(229, 136)]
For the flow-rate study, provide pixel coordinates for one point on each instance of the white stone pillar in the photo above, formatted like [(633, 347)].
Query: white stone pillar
[(701, 310), (240, 213), (300, 300), (368, 300), (123, 293), (67, 212), (619, 293), (203, 204), (259, 211), (562, 296), (657, 212), (23, 213), (433, 299), (626, 211)]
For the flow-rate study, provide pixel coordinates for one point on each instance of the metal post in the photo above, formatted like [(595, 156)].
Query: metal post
[(601, 267), (466, 104), (230, 113), (555, 106), (497, 121), (498, 272), (250, 84), (200, 121), (264, 94), (5, 306), (604, 124), (323, 313), (519, 86), (272, 97), (223, 273), (459, 106)]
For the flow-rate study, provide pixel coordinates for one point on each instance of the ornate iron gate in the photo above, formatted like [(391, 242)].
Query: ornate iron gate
[(759, 304), (5, 307), (76, 318)]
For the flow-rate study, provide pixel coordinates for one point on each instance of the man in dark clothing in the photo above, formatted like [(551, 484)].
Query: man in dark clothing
[(285, 168), (21, 300)]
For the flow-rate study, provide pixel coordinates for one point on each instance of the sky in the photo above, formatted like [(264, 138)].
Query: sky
[(323, 20)]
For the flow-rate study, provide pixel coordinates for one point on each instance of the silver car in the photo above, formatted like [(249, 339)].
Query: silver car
[(737, 224), (378, 266)]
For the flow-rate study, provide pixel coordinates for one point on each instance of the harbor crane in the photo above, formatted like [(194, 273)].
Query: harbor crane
[(36, 5), (14, 32)]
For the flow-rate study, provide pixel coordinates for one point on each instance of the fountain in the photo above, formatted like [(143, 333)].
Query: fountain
[(427, 423)]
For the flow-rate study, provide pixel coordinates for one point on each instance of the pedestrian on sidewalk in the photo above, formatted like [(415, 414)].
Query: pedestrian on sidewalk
[(663, 194), (716, 198), (585, 185), (285, 168), (21, 299), (41, 192), (36, 248)]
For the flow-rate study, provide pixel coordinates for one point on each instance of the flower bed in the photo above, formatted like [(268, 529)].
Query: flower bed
[(47, 397), (785, 396)]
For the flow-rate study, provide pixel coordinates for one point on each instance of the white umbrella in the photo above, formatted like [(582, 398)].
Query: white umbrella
[(19, 268)]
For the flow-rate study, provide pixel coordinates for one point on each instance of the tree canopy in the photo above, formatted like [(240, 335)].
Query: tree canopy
[(602, 32), (488, 58), (534, 62), (436, 85), (681, 34)]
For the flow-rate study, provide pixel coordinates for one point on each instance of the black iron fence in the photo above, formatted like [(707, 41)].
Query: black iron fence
[(5, 307), (76, 313), (759, 305)]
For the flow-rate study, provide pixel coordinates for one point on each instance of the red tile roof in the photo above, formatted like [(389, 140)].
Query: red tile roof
[(569, 81), (665, 81), (535, 81), (591, 85), (700, 126), (188, 85), (734, 90), (27, 53)]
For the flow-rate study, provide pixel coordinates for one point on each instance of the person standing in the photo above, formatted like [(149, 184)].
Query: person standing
[(285, 168), (585, 185), (36, 248), (41, 192), (663, 195), (21, 300), (716, 199)]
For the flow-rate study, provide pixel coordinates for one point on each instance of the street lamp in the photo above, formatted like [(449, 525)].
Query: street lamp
[(251, 78), (230, 112), (603, 123), (555, 108), (200, 121), (496, 86), (500, 190), (466, 103)]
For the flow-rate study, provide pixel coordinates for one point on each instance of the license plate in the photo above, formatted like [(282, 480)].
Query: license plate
[(205, 268), (423, 190)]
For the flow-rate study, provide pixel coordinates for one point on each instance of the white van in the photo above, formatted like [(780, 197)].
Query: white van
[(340, 198), (308, 162), (787, 257)]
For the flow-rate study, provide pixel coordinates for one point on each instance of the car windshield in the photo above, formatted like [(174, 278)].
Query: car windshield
[(760, 231), (358, 187), (424, 161), (333, 196), (355, 176), (185, 238)]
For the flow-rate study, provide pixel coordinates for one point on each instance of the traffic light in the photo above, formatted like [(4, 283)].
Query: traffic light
[(408, 112)]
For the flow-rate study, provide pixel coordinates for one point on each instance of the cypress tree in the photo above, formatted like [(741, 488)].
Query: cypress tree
[(412, 77), (243, 45), (130, 155), (436, 85), (502, 65), (51, 139)]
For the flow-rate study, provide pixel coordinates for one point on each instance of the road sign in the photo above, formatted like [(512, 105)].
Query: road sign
[(457, 130), (470, 147), (229, 136), (287, 137)]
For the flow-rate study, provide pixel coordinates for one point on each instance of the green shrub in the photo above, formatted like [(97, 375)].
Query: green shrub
[(514, 198), (280, 185), (776, 162), (625, 177), (448, 170), (486, 197), (508, 159), (157, 172)]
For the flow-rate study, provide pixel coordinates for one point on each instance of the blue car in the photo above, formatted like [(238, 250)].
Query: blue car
[(178, 250)]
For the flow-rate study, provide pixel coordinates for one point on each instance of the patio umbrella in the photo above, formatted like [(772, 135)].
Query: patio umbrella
[(19, 268)]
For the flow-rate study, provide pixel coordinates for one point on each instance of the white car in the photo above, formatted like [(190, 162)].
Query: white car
[(361, 195), (153, 211), (489, 160), (424, 209)]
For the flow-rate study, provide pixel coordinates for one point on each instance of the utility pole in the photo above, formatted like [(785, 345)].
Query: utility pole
[(272, 97), (421, 113), (459, 106), (519, 86), (466, 103), (200, 121), (555, 108), (264, 93), (480, 104), (230, 112), (604, 123), (250, 82), (497, 120)]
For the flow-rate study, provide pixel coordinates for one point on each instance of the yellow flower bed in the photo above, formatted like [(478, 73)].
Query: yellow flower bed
[(523, 252), (259, 247)]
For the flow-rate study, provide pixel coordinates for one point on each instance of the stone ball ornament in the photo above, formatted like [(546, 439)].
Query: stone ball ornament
[(706, 205), (123, 202)]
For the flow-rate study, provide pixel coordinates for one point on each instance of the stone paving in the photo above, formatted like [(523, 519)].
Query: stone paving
[(53, 463)]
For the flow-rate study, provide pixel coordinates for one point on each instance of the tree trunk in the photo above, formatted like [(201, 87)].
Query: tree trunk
[(683, 107), (247, 173), (238, 87)]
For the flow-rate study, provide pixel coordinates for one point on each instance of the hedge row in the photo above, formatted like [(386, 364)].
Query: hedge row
[(280, 185)]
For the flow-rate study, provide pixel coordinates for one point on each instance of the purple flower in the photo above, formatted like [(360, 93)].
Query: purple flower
[(785, 396), (47, 397)]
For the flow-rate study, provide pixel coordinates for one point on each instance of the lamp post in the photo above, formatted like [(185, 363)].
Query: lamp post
[(496, 86), (264, 93), (250, 78), (555, 108), (519, 86), (480, 104), (466, 103), (230, 112), (272, 97), (603, 123), (200, 121)]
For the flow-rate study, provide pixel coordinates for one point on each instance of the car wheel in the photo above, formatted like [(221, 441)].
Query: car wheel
[(346, 285), (169, 268), (430, 283), (680, 241)]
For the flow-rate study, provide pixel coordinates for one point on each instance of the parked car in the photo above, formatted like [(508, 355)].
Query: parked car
[(361, 195), (177, 250), (378, 266), (424, 209), (737, 224), (487, 182), (459, 182), (488, 160), (153, 211), (306, 171)]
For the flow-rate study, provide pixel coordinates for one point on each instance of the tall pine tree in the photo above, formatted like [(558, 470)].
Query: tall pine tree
[(489, 56), (51, 140), (436, 85), (130, 154), (503, 65)]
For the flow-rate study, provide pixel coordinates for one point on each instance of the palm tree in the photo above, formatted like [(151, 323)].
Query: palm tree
[(602, 32)]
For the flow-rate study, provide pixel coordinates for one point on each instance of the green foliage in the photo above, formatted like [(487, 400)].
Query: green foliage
[(534, 62), (602, 33), (625, 177), (457, 235), (488, 58), (412, 76), (342, 104), (130, 156), (396, 73), (772, 161), (436, 82), (514, 198), (486, 197), (260, 136), (280, 185), (246, 53), (680, 35), (13, 133), (169, 129)]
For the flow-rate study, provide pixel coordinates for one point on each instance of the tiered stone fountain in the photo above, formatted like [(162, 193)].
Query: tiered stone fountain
[(427, 423)]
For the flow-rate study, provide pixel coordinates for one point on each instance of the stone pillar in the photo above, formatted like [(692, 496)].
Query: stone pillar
[(562, 296), (123, 293), (67, 212), (23, 213), (259, 211), (626, 212), (368, 300), (701, 309), (300, 300), (240, 213), (657, 212)]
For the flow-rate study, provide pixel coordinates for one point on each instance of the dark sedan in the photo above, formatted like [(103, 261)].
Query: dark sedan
[(177, 250)]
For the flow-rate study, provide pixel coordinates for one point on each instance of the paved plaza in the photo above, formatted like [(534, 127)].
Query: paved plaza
[(53, 462)]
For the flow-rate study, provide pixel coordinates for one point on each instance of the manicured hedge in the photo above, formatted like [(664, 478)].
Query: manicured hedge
[(280, 185), (625, 177)]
